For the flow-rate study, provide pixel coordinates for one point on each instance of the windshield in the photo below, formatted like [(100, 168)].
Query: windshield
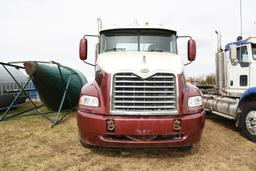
[(147, 40), (254, 51)]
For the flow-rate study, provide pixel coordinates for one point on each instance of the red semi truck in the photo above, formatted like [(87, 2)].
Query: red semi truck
[(139, 97)]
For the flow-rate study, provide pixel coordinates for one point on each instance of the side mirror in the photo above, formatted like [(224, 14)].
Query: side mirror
[(83, 49), (232, 53), (191, 50)]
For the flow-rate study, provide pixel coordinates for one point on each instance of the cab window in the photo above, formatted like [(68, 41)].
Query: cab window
[(242, 56)]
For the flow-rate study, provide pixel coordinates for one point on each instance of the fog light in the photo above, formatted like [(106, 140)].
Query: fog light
[(176, 125), (110, 125)]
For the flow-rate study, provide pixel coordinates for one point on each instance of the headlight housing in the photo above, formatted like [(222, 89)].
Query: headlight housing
[(195, 101), (89, 101)]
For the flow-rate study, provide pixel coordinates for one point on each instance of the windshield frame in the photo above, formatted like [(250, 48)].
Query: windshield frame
[(141, 38)]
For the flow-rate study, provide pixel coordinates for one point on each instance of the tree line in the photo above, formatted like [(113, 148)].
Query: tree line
[(203, 80)]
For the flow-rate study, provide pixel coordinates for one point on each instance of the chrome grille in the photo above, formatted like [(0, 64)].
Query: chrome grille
[(154, 95)]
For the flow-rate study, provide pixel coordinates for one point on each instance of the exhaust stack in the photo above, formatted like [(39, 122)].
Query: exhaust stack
[(220, 68), (219, 48)]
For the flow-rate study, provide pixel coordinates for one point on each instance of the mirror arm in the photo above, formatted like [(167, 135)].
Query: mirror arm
[(184, 37), (188, 63), (89, 63), (90, 35)]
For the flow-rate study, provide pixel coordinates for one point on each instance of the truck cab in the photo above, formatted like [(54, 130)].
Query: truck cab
[(235, 95), (241, 66), (139, 97)]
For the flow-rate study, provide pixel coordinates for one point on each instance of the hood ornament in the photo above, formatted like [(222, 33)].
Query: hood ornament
[(144, 70), (144, 60)]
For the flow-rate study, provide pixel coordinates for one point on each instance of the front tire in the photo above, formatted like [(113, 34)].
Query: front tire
[(248, 122)]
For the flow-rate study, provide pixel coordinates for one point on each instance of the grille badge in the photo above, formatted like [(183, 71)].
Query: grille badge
[(144, 70)]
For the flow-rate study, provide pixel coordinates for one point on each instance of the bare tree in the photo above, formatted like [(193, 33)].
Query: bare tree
[(202, 80)]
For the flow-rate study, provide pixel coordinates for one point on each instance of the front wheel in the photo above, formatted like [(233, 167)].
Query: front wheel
[(248, 122)]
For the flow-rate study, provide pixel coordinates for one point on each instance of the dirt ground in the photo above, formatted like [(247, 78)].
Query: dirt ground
[(28, 143)]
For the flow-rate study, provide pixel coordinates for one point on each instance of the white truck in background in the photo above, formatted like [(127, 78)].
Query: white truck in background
[(235, 94)]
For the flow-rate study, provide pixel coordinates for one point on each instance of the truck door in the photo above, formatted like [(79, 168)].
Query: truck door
[(238, 72), (253, 66)]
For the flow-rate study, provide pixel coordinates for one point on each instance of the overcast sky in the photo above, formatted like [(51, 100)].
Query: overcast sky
[(51, 29)]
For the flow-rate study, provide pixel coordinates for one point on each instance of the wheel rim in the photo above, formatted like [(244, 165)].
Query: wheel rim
[(251, 122)]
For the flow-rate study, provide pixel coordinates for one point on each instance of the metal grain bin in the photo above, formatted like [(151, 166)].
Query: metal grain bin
[(9, 88)]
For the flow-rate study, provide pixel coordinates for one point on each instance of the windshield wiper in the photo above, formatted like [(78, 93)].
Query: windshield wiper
[(156, 50), (115, 49)]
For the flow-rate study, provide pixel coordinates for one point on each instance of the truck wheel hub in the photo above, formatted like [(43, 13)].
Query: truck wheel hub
[(251, 122)]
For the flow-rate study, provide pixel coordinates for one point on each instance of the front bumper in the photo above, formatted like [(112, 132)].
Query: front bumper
[(140, 131)]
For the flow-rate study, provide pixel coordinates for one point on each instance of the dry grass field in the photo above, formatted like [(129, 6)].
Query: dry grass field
[(28, 143)]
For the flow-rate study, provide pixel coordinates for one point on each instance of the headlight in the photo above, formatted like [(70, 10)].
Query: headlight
[(195, 101), (89, 101)]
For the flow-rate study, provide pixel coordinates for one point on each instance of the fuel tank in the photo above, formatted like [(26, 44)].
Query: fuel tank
[(221, 105)]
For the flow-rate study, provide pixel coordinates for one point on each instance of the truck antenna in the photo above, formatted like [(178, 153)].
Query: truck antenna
[(241, 19)]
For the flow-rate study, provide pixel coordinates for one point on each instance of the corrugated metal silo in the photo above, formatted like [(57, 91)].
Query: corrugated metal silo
[(8, 86)]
